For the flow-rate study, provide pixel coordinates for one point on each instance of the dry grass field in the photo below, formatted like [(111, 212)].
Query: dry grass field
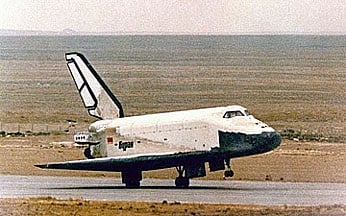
[(52, 206), (312, 103)]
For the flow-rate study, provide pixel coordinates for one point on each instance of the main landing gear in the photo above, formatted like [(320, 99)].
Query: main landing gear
[(182, 181), (131, 178), (228, 172)]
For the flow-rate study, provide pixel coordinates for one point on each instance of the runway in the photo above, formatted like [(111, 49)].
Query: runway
[(235, 192)]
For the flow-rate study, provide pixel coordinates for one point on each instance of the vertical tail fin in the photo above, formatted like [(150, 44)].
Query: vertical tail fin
[(97, 97)]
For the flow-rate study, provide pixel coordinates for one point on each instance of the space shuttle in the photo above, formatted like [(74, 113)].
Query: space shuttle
[(192, 141)]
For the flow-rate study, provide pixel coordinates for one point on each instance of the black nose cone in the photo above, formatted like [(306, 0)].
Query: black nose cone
[(273, 140)]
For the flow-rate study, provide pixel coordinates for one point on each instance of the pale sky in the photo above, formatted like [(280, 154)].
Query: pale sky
[(176, 16)]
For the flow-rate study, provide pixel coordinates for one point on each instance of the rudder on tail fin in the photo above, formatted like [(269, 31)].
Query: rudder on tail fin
[(96, 96)]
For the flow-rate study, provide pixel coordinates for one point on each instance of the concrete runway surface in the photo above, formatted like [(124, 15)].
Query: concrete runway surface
[(235, 192)]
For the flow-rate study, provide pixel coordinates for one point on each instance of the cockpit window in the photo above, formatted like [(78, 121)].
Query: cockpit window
[(231, 114), (247, 112)]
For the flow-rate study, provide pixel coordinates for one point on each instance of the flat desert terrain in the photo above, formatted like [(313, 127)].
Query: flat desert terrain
[(51, 206)]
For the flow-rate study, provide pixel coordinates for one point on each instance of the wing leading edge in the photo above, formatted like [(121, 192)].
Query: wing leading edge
[(139, 162)]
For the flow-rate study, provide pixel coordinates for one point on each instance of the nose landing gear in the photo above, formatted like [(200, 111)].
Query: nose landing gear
[(228, 172), (182, 181)]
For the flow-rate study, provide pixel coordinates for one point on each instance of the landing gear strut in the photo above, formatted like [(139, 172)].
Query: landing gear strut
[(181, 181), (228, 172)]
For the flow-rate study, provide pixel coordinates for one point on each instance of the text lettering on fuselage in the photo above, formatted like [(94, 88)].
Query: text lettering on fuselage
[(124, 145)]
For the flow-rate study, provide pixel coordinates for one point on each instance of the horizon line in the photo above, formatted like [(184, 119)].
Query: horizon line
[(71, 32)]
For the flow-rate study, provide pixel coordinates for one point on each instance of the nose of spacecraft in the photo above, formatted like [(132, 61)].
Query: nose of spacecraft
[(249, 143), (271, 140)]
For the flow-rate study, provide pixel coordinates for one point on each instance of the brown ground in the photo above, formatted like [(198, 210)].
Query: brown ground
[(51, 206)]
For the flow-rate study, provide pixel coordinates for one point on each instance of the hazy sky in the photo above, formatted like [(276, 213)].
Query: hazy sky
[(176, 16)]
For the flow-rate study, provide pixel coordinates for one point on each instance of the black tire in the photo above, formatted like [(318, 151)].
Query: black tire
[(229, 173), (182, 182), (133, 184)]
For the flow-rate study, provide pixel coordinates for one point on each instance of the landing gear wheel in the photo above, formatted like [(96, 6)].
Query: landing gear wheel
[(132, 184), (229, 173), (131, 177), (182, 182)]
